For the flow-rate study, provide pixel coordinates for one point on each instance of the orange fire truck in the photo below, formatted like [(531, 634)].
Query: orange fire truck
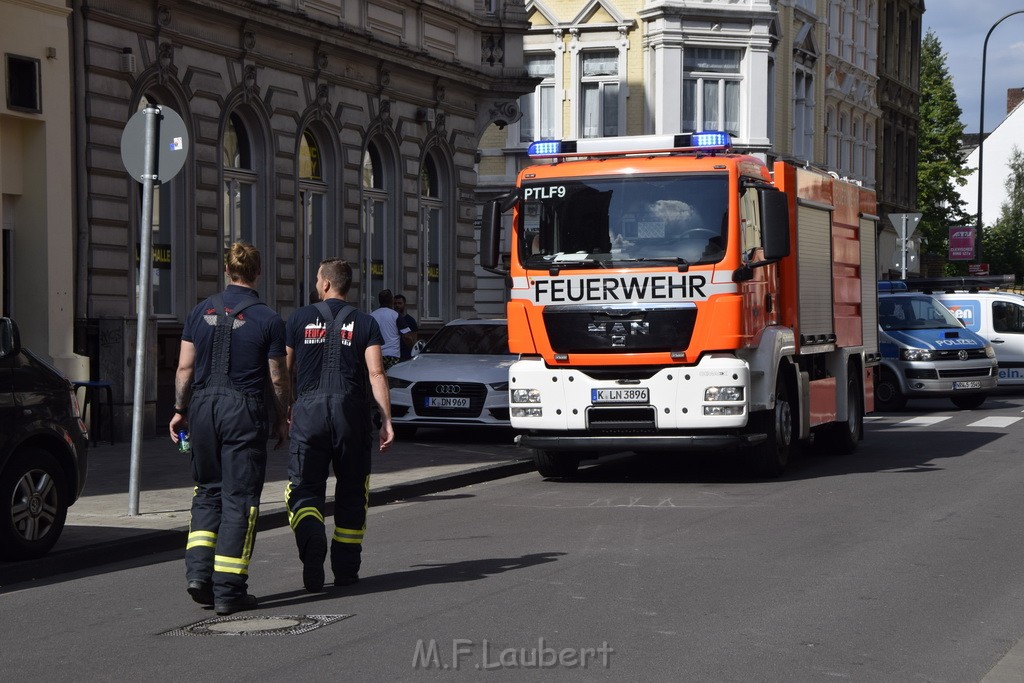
[(670, 295)]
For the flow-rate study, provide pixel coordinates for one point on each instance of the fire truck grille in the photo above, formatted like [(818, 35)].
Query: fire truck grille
[(600, 328), (448, 399), (618, 418)]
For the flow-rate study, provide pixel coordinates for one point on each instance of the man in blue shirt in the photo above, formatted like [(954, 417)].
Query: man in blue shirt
[(334, 352), (229, 343)]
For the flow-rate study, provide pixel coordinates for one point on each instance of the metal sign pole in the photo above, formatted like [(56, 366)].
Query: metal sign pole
[(145, 265), (903, 265)]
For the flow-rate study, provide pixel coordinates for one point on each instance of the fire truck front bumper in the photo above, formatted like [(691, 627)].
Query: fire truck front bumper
[(598, 444)]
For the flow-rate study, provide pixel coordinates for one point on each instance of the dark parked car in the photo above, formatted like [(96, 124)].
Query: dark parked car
[(42, 449)]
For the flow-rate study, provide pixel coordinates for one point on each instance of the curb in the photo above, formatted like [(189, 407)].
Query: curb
[(154, 542)]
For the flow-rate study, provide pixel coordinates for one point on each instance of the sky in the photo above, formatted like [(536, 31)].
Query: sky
[(960, 26)]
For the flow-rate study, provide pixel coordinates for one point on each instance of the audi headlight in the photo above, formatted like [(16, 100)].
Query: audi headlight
[(525, 396), (397, 382), (723, 394), (917, 354), (499, 386)]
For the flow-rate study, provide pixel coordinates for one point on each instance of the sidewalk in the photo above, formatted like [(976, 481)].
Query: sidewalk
[(99, 529)]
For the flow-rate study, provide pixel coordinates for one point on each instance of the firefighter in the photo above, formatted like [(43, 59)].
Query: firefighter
[(333, 351), (228, 344)]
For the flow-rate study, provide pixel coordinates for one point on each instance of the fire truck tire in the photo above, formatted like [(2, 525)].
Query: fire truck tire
[(888, 395), (555, 464), (843, 437), (772, 455), (969, 402)]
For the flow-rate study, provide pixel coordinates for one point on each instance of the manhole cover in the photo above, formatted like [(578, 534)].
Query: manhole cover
[(256, 625)]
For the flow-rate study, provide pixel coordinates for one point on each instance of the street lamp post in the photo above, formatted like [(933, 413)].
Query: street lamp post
[(981, 131)]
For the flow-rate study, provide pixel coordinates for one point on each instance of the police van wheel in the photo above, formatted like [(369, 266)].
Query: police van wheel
[(772, 455), (555, 464), (969, 402), (33, 505), (888, 395)]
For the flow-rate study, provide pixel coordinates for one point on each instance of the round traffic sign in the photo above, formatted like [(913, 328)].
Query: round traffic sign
[(171, 144)]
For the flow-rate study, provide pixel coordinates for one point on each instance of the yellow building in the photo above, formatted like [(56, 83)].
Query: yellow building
[(38, 245)]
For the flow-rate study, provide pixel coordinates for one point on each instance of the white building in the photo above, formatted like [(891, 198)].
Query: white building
[(998, 148)]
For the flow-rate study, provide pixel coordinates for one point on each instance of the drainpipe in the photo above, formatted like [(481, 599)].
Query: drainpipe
[(81, 171)]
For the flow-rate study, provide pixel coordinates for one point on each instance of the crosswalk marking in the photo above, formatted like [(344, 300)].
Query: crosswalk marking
[(924, 420), (997, 421)]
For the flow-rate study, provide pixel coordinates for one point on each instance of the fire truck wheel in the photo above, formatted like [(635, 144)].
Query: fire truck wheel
[(555, 464), (969, 402), (772, 455), (888, 395), (843, 437)]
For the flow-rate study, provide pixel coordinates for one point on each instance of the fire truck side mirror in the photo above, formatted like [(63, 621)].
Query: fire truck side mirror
[(774, 224), (490, 235)]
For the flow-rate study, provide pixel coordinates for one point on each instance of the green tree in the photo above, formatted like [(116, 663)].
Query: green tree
[(1003, 243), (941, 166)]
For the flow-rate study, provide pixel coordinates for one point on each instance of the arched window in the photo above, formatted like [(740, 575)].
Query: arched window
[(240, 180), (313, 204), (377, 242), (433, 227)]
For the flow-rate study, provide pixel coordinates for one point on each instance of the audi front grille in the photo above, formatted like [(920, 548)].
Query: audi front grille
[(474, 391)]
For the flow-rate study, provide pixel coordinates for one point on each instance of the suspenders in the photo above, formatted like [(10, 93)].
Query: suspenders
[(220, 363), (330, 368)]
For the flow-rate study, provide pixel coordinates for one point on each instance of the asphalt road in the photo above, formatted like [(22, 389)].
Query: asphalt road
[(902, 562)]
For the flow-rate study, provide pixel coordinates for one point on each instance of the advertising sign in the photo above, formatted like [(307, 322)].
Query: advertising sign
[(961, 244)]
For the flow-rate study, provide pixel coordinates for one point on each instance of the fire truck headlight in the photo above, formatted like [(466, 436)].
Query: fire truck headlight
[(723, 394), (917, 354), (525, 396), (527, 412), (723, 410)]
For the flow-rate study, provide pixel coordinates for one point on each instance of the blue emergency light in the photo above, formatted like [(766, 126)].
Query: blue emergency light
[(631, 144), (710, 138)]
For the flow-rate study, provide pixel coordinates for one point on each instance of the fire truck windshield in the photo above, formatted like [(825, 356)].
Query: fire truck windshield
[(623, 222)]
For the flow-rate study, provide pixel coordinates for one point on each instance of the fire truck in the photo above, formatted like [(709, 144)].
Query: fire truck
[(669, 294)]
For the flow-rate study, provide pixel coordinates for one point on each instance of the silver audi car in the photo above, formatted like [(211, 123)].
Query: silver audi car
[(459, 377)]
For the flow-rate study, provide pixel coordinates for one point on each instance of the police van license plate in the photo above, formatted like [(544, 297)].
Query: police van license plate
[(620, 395), (445, 402), (967, 385)]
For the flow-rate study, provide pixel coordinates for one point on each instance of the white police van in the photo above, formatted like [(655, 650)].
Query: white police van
[(927, 353), (993, 314)]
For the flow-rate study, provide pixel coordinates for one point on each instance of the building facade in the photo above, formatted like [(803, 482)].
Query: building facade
[(37, 235), (899, 67), (317, 128)]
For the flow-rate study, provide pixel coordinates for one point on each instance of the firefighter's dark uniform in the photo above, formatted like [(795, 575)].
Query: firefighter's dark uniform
[(228, 428), (330, 426)]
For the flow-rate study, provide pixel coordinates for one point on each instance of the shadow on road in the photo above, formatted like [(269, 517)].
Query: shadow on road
[(418, 575)]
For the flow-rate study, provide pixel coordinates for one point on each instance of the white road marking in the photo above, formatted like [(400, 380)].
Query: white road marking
[(923, 421), (996, 421)]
